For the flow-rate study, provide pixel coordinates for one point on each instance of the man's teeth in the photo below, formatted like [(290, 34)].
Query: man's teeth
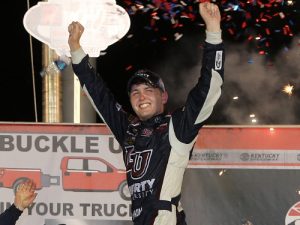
[(144, 105)]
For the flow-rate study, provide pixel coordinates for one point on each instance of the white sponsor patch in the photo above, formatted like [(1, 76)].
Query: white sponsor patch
[(218, 60)]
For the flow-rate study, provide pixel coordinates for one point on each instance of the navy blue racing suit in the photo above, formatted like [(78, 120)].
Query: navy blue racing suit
[(10, 216), (156, 152)]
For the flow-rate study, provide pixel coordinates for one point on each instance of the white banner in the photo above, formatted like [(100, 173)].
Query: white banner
[(80, 174)]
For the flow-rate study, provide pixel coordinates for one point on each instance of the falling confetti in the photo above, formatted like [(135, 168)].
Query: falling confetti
[(266, 25)]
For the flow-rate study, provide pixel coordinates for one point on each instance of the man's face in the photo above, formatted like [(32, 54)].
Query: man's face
[(147, 101)]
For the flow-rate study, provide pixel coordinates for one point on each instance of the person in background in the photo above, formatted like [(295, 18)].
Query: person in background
[(24, 197), (156, 144)]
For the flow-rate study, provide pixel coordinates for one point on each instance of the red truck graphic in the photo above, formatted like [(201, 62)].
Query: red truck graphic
[(12, 177), (93, 174)]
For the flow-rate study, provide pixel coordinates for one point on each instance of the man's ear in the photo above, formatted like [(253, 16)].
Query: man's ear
[(165, 97)]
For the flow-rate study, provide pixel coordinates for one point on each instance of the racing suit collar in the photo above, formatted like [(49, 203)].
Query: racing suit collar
[(154, 120)]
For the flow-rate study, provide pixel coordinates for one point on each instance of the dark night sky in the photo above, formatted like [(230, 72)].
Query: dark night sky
[(257, 80), (16, 88)]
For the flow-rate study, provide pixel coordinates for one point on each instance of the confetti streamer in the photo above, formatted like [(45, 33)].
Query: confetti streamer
[(266, 25)]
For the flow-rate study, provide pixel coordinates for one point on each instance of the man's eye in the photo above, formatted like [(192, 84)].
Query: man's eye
[(149, 89)]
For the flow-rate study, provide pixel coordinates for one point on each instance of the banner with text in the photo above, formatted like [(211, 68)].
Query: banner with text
[(80, 173)]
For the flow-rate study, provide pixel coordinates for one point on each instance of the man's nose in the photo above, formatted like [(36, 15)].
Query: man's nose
[(142, 96)]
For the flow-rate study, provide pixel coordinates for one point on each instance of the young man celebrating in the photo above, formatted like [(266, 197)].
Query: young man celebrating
[(156, 145)]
